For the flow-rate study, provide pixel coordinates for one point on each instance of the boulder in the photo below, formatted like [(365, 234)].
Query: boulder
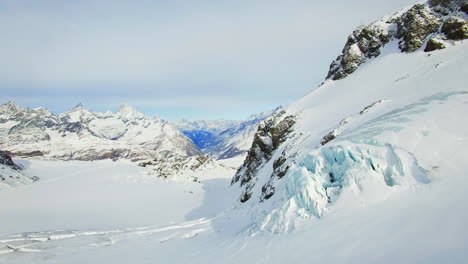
[(455, 28)]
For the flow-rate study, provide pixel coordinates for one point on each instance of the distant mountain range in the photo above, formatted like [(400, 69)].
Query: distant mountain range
[(224, 139), (81, 134)]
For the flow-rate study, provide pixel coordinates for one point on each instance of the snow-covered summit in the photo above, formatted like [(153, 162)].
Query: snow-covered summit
[(128, 113)]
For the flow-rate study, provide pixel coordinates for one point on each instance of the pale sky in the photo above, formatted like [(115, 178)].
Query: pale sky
[(175, 59)]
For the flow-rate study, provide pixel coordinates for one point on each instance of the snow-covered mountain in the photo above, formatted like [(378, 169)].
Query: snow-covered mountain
[(224, 139), (389, 119), (368, 168), (81, 134), (11, 174)]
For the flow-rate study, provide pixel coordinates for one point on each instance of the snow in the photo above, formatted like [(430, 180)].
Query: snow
[(109, 128), (390, 188)]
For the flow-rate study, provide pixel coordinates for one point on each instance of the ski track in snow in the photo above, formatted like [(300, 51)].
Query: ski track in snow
[(35, 242)]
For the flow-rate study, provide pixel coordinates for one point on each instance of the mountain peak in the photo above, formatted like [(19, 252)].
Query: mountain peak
[(9, 106), (79, 106), (128, 112)]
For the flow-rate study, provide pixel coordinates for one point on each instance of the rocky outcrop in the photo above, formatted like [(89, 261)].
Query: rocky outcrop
[(423, 25), (415, 26), (11, 174), (6, 160), (455, 28), (364, 43), (434, 44), (270, 134)]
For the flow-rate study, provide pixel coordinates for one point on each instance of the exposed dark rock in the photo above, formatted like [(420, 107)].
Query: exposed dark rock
[(5, 159), (415, 26), (26, 154), (455, 28), (279, 162), (464, 7), (74, 127), (365, 42), (446, 6), (270, 135), (434, 44), (245, 196), (267, 192), (327, 138)]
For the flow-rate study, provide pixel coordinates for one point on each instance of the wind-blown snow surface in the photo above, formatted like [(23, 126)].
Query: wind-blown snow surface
[(411, 208)]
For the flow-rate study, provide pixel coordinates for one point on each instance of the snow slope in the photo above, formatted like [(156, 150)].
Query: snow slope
[(396, 145)]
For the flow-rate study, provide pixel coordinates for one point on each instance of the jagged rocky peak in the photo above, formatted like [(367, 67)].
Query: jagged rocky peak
[(78, 107), (427, 25), (8, 109)]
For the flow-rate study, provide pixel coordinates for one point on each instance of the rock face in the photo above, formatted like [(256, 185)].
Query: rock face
[(412, 29), (415, 26), (269, 136), (80, 134), (365, 42), (6, 160), (224, 139), (434, 44), (11, 174), (455, 28)]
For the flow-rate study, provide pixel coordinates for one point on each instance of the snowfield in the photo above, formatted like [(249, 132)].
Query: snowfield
[(411, 208), (370, 168)]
